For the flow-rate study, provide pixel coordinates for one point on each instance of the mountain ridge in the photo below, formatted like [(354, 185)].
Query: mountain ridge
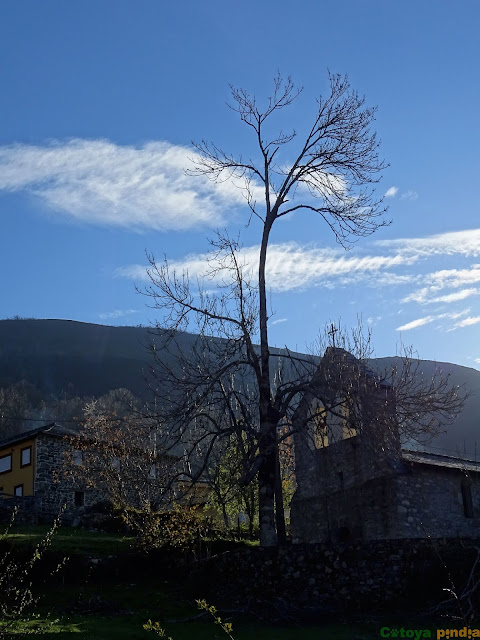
[(89, 359)]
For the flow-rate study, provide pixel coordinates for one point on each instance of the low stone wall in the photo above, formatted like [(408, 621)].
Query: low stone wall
[(26, 506), (382, 575), (386, 576)]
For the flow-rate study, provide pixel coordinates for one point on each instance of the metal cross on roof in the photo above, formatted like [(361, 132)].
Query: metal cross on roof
[(332, 332)]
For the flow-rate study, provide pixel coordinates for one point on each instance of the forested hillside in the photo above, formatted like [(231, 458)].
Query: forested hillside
[(50, 368)]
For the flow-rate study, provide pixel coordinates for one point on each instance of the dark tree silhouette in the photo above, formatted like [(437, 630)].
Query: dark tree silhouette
[(221, 388)]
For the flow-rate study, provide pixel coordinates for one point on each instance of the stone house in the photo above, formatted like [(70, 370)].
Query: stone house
[(34, 477), (365, 486), (31, 465)]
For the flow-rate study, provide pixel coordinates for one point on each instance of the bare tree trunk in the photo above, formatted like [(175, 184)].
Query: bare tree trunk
[(268, 426), (266, 492), (279, 510), (251, 512)]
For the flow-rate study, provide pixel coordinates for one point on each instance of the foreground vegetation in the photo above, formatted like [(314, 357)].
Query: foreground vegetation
[(68, 540), (99, 605), (83, 609), (122, 611)]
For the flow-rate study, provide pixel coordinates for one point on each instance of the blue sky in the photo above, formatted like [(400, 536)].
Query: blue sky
[(101, 101)]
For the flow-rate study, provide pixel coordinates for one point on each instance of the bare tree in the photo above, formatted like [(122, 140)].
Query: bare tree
[(121, 460), (331, 172), (212, 388)]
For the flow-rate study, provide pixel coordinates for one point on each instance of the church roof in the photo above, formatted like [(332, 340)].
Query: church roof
[(436, 460)]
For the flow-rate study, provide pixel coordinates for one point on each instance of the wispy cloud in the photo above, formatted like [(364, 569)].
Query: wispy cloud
[(446, 279), (454, 277), (456, 296), (416, 323), (289, 266), (279, 321), (400, 264), (118, 313), (391, 193), (423, 296), (466, 243), (419, 322), (420, 296), (97, 181), (409, 195), (466, 322), (391, 279)]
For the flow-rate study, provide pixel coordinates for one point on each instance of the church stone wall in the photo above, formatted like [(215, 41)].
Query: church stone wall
[(349, 494)]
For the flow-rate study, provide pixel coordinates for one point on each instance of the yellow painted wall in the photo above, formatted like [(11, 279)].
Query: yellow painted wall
[(348, 430), (18, 475)]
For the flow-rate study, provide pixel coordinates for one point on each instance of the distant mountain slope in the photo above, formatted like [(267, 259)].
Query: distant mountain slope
[(89, 360), (86, 359), (464, 435)]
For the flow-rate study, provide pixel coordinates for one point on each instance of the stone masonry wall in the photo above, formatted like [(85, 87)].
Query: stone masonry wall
[(369, 576), (429, 503), (365, 512), (422, 500), (26, 509), (341, 465), (344, 491), (52, 488)]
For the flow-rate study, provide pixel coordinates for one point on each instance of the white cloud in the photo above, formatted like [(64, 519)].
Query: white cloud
[(99, 182), (456, 296), (419, 296), (454, 277), (416, 323), (466, 243), (390, 279), (409, 195), (290, 266), (391, 193), (278, 321), (422, 296), (466, 322), (428, 319), (454, 315), (477, 360), (133, 272), (118, 313)]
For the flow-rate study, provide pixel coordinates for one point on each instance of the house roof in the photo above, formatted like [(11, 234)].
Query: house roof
[(436, 460), (51, 429)]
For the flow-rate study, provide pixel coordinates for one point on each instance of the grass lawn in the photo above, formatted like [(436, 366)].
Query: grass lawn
[(70, 541), (87, 611), (130, 628), (118, 612)]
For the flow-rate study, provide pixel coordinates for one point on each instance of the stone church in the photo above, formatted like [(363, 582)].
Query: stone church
[(363, 485)]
